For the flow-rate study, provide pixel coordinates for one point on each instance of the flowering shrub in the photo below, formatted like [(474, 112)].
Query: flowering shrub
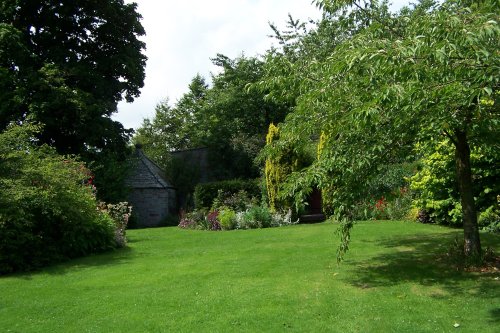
[(186, 223), (371, 209), (396, 206), (380, 209), (47, 212), (227, 219), (281, 219), (193, 220), (200, 219), (213, 221), (120, 213)]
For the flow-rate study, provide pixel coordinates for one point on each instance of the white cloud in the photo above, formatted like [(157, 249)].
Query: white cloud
[(182, 36)]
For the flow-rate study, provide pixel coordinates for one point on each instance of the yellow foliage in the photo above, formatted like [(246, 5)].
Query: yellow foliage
[(273, 170), (321, 144)]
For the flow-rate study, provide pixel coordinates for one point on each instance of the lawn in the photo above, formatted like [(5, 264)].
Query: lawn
[(394, 279)]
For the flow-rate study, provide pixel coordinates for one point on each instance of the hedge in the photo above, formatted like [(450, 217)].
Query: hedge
[(205, 193)]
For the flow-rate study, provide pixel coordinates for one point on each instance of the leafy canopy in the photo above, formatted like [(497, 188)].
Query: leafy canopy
[(48, 210), (67, 64), (393, 79)]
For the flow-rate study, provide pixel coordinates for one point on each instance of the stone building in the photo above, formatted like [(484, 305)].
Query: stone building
[(196, 160), (152, 197)]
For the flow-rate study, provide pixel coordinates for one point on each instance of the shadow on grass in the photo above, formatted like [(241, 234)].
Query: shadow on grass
[(422, 259), (110, 258), (495, 315)]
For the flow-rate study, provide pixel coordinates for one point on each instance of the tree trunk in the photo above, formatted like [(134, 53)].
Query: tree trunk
[(472, 243)]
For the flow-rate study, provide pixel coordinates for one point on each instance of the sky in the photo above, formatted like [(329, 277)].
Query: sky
[(182, 36)]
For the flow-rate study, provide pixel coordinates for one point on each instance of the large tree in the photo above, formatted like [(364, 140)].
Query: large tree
[(227, 118), (66, 64), (417, 76), (236, 117)]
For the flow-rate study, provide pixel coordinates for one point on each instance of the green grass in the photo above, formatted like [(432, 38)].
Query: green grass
[(270, 280)]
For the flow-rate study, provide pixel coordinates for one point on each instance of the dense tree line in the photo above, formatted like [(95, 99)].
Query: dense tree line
[(66, 65), (365, 101), (377, 91), (389, 83), (226, 117)]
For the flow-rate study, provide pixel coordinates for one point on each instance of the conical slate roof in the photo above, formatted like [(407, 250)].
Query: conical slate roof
[(146, 174)]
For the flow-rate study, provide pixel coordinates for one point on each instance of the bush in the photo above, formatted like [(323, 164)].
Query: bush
[(436, 187), (199, 219), (399, 205), (489, 219), (255, 217), (371, 209), (238, 201), (206, 193), (396, 206), (213, 221), (193, 220), (48, 210), (227, 218), (283, 219), (120, 213)]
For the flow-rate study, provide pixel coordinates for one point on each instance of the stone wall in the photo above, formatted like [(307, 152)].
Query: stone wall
[(152, 205)]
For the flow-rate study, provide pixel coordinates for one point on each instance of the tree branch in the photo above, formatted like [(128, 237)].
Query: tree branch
[(449, 136)]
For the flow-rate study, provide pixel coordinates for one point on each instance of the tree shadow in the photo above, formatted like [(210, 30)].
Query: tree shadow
[(111, 258), (422, 259), (495, 316)]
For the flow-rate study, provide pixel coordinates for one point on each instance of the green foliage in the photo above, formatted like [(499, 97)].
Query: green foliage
[(344, 231), (47, 210), (227, 218), (387, 82), (120, 213), (237, 118), (396, 206), (252, 216), (388, 194), (110, 169), (400, 207), (238, 201), (489, 219), (327, 191), (227, 118), (206, 193), (284, 159), (184, 175), (391, 179), (274, 170), (436, 187), (255, 217), (67, 64), (174, 127)]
